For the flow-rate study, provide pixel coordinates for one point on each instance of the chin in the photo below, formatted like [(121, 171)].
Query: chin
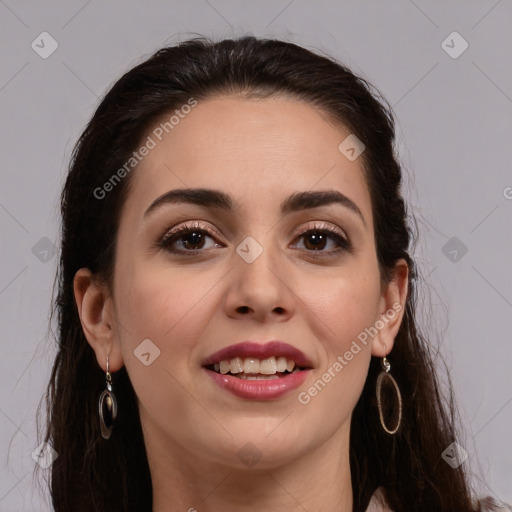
[(260, 445)]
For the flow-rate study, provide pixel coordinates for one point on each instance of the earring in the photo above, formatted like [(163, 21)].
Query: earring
[(107, 406), (385, 374)]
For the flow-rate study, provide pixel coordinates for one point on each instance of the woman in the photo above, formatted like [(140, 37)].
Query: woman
[(236, 299)]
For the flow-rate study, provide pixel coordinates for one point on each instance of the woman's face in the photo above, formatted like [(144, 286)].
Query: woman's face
[(248, 273)]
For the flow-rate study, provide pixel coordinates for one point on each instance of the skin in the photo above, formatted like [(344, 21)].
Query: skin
[(259, 151)]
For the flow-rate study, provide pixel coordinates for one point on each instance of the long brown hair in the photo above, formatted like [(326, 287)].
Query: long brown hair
[(91, 473)]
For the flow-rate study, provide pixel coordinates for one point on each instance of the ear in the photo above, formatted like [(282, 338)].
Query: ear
[(96, 311), (391, 309)]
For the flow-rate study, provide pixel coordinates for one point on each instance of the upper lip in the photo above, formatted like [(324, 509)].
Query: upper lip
[(259, 351)]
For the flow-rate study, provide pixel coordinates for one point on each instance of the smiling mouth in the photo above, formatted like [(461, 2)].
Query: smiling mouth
[(251, 368)]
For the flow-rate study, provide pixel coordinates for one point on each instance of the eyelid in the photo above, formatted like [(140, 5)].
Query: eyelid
[(209, 229), (322, 225), (168, 233)]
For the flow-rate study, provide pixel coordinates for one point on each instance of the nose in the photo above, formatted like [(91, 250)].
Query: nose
[(260, 289)]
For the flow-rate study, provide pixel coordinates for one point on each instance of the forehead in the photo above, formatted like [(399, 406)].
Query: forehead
[(259, 150)]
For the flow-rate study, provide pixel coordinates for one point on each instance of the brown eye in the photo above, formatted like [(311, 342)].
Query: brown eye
[(192, 240), (316, 240), (187, 239)]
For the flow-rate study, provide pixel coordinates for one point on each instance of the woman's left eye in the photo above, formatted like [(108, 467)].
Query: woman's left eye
[(316, 240)]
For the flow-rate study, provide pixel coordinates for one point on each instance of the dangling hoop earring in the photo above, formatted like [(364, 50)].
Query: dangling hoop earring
[(107, 406), (386, 366)]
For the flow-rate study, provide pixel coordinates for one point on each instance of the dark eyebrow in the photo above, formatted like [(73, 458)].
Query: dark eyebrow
[(313, 199), (216, 199)]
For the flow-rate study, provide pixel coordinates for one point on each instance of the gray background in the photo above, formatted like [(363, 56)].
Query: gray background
[(454, 127)]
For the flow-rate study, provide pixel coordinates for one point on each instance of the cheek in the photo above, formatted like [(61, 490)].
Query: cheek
[(354, 310), (157, 301), (342, 306), (344, 310), (159, 322), (168, 307)]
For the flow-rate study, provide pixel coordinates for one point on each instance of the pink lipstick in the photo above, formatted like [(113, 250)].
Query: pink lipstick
[(258, 371)]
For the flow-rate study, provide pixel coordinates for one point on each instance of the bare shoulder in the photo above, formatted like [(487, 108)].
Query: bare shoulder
[(378, 502)]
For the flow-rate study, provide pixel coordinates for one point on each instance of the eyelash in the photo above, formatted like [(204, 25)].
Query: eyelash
[(174, 234)]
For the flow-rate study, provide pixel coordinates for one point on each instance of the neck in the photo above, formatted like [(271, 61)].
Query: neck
[(316, 481)]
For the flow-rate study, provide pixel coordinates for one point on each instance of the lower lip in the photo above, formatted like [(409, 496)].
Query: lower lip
[(259, 389)]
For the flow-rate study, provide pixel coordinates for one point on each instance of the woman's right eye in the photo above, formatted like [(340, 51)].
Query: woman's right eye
[(191, 238)]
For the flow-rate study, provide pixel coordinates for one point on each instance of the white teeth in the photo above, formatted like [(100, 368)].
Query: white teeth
[(268, 366), (258, 377), (236, 365), (253, 366), (224, 366), (281, 364)]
